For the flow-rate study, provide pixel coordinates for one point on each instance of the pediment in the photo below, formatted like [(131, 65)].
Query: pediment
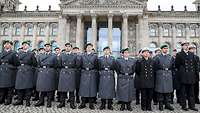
[(101, 3)]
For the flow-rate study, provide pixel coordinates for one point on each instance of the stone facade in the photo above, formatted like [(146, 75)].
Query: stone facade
[(139, 26)]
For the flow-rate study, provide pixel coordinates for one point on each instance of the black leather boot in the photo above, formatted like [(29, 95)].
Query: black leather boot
[(122, 108), (40, 102), (129, 108), (161, 106), (103, 105), (110, 107)]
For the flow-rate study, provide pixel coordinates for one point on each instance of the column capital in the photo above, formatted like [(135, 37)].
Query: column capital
[(160, 24), (93, 15), (35, 23), (173, 24), (187, 25), (125, 15), (110, 15), (79, 16)]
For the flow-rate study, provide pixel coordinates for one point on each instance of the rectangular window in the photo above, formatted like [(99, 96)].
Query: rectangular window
[(193, 33), (166, 32), (152, 32), (41, 32), (54, 31), (17, 31), (5, 31), (180, 33), (30, 31)]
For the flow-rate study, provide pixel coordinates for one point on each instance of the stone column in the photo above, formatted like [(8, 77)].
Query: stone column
[(78, 31), (94, 31), (23, 31), (143, 31), (67, 30), (187, 32), (47, 33), (11, 31), (160, 31), (61, 34), (110, 25), (174, 36), (125, 31), (34, 39), (137, 38)]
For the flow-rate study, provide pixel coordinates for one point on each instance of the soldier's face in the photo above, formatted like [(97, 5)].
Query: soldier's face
[(68, 48), (185, 46), (75, 50), (89, 48), (107, 52), (57, 51), (47, 48), (165, 50), (7, 46), (126, 54), (158, 52), (146, 54), (25, 46), (192, 50)]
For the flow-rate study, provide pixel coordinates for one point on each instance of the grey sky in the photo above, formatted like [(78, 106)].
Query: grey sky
[(152, 4)]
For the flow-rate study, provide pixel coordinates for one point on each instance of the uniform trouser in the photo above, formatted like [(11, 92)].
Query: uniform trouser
[(196, 91), (177, 95), (35, 93), (77, 93), (63, 96), (21, 93), (187, 93), (155, 98), (49, 94), (146, 97), (164, 98), (103, 101), (138, 92), (6, 93), (91, 100)]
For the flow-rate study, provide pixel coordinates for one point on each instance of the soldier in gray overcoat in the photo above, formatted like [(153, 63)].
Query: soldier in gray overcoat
[(8, 66), (67, 78), (76, 51), (25, 74), (164, 80), (107, 79), (88, 81), (46, 81), (125, 80)]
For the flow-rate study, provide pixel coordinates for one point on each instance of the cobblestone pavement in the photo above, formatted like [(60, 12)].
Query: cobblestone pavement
[(54, 109)]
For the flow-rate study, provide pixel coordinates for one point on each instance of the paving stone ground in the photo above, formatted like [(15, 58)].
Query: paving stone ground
[(54, 109)]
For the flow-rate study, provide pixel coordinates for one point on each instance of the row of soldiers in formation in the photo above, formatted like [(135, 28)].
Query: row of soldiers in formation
[(91, 77)]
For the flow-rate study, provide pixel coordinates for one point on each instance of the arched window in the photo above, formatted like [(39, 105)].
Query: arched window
[(5, 29), (29, 29), (166, 30), (180, 30), (41, 44), (194, 30), (16, 45), (41, 29), (153, 30), (152, 46), (17, 29), (54, 29)]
